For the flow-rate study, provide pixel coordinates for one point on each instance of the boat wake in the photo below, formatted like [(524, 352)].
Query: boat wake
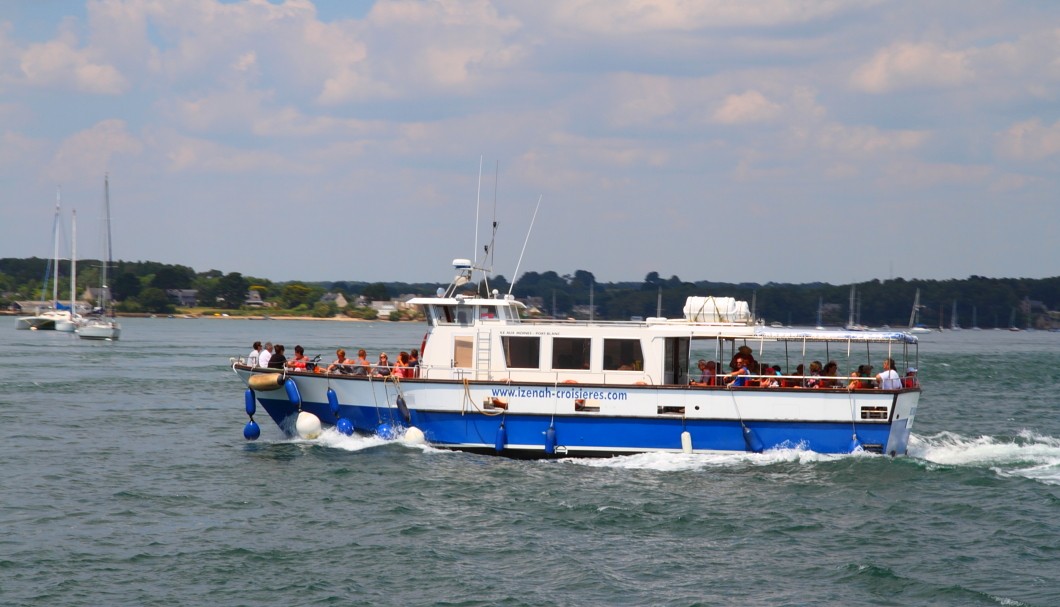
[(332, 438), (1028, 454), (677, 462)]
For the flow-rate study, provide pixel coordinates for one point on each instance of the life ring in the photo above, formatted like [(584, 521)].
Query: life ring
[(570, 381)]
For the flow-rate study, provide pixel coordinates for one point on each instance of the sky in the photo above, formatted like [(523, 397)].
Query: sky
[(788, 141)]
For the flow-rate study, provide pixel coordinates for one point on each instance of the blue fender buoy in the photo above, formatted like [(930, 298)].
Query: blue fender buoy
[(384, 431), (754, 444), (550, 440), (403, 409), (292, 392), (248, 396), (251, 431), (333, 402), (344, 426), (502, 438), (855, 444)]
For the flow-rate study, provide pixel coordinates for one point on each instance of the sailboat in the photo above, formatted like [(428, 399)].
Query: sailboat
[(46, 318), (71, 324), (954, 325), (914, 317), (975, 321), (820, 306), (852, 325), (103, 325), (1012, 321)]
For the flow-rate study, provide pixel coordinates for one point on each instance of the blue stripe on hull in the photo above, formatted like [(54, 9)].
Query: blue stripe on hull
[(604, 434)]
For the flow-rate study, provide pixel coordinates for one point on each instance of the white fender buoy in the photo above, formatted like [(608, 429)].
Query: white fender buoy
[(413, 436), (307, 425), (686, 442)]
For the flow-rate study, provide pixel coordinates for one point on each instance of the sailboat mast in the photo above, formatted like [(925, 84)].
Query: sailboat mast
[(106, 213), (55, 252), (73, 262)]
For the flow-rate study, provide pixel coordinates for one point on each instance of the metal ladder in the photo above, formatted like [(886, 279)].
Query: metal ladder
[(483, 354)]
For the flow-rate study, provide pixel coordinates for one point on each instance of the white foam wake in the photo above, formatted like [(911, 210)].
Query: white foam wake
[(1028, 454)]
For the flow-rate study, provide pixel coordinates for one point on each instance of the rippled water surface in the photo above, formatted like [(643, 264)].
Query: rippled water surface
[(126, 481)]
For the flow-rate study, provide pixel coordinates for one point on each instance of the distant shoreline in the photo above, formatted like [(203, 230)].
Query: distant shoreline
[(181, 316)]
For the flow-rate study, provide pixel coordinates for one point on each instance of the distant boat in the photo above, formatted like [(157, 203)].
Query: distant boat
[(975, 323), (1012, 321), (954, 325), (71, 324), (48, 319), (103, 325), (914, 317), (820, 305)]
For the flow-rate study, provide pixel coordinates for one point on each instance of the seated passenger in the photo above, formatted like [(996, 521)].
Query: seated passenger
[(277, 360), (382, 368), (361, 366), (739, 377), (814, 380), (339, 366), (414, 362), (911, 380), (401, 365), (300, 359), (830, 375), (889, 379), (707, 373)]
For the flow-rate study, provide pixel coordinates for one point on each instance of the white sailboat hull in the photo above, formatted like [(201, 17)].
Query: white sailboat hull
[(100, 329)]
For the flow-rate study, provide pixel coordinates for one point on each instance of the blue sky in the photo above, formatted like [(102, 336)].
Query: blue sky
[(772, 141)]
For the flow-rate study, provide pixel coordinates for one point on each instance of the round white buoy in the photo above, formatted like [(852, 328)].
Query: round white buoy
[(414, 436), (686, 441), (307, 425)]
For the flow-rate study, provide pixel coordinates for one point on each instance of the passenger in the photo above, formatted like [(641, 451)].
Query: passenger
[(889, 379), (798, 379), (255, 352), (265, 355), (382, 368), (300, 359), (277, 360), (361, 366), (831, 371), (865, 372), (769, 377), (339, 366), (414, 362), (739, 376), (814, 380), (401, 365), (911, 380), (707, 373), (742, 352), (855, 382)]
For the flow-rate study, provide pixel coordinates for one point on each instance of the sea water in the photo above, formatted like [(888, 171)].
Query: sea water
[(127, 481)]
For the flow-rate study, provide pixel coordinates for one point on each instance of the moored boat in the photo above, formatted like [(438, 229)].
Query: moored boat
[(492, 381)]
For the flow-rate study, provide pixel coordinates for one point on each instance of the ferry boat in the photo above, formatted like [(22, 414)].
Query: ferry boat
[(491, 380)]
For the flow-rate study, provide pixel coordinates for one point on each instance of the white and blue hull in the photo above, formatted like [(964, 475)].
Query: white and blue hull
[(541, 420)]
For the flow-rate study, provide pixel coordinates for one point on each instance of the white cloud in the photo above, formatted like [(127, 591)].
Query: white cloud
[(1030, 140), (630, 16), (746, 108), (906, 65), (60, 64), (87, 154)]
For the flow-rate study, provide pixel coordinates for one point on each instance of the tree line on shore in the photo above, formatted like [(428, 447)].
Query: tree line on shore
[(145, 286)]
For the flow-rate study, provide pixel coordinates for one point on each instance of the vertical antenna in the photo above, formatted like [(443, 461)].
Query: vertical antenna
[(518, 263), (478, 201)]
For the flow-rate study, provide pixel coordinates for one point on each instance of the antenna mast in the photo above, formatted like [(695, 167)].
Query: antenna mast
[(520, 262)]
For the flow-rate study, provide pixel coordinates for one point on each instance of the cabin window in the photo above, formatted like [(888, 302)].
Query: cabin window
[(522, 352), (445, 314), (487, 313), (570, 353), (623, 355), (462, 351), (465, 315)]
